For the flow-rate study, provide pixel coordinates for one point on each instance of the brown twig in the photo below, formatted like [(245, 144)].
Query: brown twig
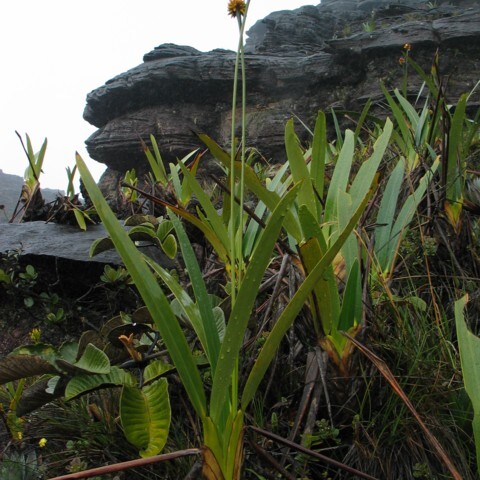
[(307, 451), (266, 456), (118, 467)]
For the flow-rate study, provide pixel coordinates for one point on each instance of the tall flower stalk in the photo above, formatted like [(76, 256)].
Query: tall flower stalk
[(237, 9)]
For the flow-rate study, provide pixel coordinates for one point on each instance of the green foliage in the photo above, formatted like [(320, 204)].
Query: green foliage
[(145, 228), (34, 169), (350, 250), (155, 161), (129, 193), (469, 346), (75, 369), (20, 466), (145, 415), (115, 276)]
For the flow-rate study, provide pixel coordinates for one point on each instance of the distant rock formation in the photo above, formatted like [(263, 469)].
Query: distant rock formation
[(316, 57)]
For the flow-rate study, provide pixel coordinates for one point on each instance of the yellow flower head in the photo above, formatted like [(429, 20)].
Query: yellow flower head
[(407, 47), (35, 335), (236, 7), (42, 442)]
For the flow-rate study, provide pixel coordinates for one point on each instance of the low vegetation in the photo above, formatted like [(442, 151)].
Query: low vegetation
[(318, 322)]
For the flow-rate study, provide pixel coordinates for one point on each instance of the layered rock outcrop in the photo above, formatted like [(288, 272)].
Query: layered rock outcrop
[(316, 57)]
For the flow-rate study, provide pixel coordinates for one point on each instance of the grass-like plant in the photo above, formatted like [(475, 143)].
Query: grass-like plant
[(222, 411)]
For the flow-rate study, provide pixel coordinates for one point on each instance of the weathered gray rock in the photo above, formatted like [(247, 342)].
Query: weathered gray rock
[(316, 57), (40, 239), (54, 240)]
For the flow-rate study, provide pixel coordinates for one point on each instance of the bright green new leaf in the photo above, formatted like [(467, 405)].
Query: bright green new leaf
[(340, 178), (246, 297), (293, 308), (155, 370), (298, 167), (469, 346), (145, 415), (80, 218), (169, 246)]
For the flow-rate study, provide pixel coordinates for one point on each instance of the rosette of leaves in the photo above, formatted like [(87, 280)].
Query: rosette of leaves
[(145, 229), (124, 353)]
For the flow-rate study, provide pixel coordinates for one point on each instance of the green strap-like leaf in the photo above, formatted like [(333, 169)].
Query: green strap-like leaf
[(319, 158), (242, 309), (298, 167), (293, 308), (351, 312), (455, 177), (340, 178), (406, 214), (203, 301), (214, 219), (145, 415), (152, 295), (469, 346), (252, 182), (368, 170), (386, 215)]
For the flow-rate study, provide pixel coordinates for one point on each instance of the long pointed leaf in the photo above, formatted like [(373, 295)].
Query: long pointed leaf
[(319, 157), (298, 167), (152, 295), (214, 219), (293, 308), (368, 170), (252, 182), (469, 346), (241, 311)]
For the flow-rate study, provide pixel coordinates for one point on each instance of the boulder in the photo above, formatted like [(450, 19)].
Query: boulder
[(316, 57)]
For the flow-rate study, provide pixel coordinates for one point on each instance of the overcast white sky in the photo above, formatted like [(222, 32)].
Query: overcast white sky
[(54, 52)]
